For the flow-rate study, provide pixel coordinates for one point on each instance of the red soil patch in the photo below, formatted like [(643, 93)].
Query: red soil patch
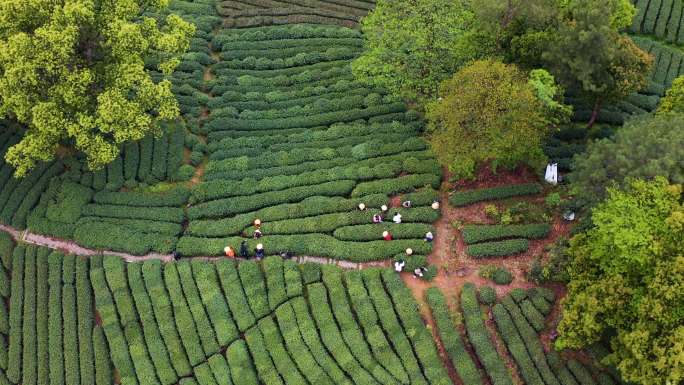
[(486, 178)]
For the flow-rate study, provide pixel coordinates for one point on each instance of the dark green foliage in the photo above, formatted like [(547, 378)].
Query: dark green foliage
[(55, 342), (487, 295), (42, 312), (215, 302), (181, 313), (481, 233), (254, 286), (424, 345), (189, 288), (581, 373), (502, 276), (6, 247), (498, 249), (235, 295), (164, 313), (451, 338), (539, 301), (15, 317), (479, 337), (516, 346), (71, 360), (103, 365), (311, 272), (293, 278), (173, 197), (264, 365), (464, 198), (276, 348), (153, 340), (275, 281), (29, 341), (219, 367), (84, 301)]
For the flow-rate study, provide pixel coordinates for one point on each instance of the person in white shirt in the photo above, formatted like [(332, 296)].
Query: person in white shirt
[(397, 218), (399, 265)]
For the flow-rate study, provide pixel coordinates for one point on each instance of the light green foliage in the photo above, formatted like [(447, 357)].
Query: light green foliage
[(674, 98), (74, 74), (549, 93), (644, 148), (488, 111), (627, 276), (411, 46)]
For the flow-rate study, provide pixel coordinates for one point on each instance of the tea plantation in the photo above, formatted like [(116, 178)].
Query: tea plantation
[(275, 127)]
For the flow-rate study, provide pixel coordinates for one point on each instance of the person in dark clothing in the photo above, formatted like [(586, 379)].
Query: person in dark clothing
[(259, 252), (176, 255), (244, 252)]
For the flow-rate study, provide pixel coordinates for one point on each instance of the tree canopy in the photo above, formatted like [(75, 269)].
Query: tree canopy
[(591, 57), (411, 46), (626, 276), (488, 111), (644, 148), (74, 74)]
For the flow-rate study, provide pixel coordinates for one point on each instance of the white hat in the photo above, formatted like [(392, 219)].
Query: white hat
[(257, 221), (409, 251), (226, 249), (260, 246), (385, 233), (383, 207), (435, 205), (362, 206)]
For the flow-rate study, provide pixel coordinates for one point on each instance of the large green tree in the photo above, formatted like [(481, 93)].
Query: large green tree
[(412, 45), (73, 73), (590, 57), (627, 278), (644, 148), (490, 111)]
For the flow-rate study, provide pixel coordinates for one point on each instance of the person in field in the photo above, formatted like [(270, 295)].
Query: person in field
[(257, 234), (397, 218), (230, 253), (259, 252), (377, 218), (435, 205), (386, 236), (429, 237), (406, 204), (399, 265), (244, 252)]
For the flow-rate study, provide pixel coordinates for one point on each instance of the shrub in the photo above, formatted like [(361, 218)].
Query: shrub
[(237, 300), (370, 232), (298, 350), (480, 339), (254, 285), (84, 303), (241, 368), (518, 294), (184, 280), (174, 197), (29, 341), (390, 323), (183, 314), (464, 198), (502, 276), (164, 313), (515, 345), (264, 365), (396, 185), (103, 366), (214, 302), (451, 339), (275, 280), (481, 233), (293, 279), (15, 317), (497, 249), (311, 272), (6, 247), (155, 345), (307, 244), (487, 295), (55, 340)]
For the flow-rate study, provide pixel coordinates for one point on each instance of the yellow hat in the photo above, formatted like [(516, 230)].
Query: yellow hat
[(409, 251)]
